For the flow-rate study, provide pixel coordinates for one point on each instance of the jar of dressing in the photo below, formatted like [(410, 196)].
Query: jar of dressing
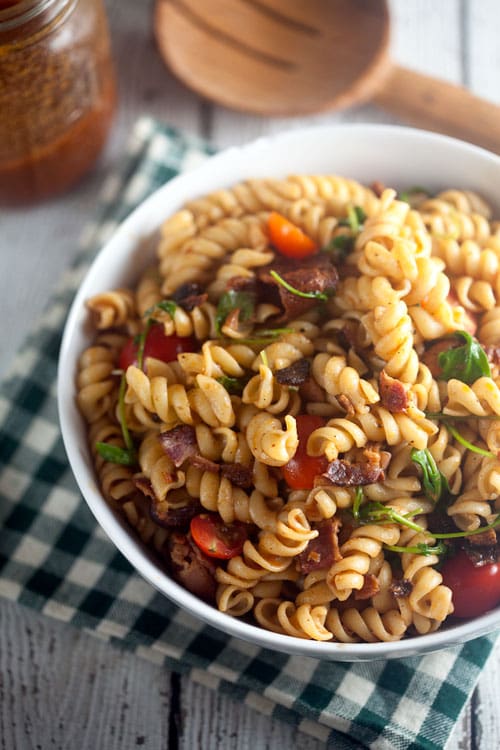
[(57, 95)]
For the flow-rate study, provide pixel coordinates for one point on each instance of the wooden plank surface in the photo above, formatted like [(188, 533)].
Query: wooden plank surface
[(60, 688)]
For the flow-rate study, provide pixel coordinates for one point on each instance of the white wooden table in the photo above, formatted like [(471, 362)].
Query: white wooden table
[(60, 688)]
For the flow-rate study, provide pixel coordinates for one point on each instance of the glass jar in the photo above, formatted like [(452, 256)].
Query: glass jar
[(57, 94)]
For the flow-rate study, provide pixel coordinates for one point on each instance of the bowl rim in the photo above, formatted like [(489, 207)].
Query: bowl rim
[(123, 538)]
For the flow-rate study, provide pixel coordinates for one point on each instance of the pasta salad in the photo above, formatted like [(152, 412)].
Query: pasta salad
[(298, 409)]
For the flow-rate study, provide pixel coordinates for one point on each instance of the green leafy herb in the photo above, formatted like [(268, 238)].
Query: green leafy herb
[(359, 496), (470, 446), (115, 455), (234, 386), (466, 363), (459, 417), (419, 549), (167, 305), (141, 342), (297, 292), (234, 300), (340, 247), (356, 217), (434, 482), (375, 512), (415, 190), (262, 337), (127, 439), (460, 534)]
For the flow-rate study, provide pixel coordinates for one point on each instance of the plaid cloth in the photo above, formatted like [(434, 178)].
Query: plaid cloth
[(55, 559)]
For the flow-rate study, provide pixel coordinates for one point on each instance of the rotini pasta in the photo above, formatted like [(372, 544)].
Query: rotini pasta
[(298, 408)]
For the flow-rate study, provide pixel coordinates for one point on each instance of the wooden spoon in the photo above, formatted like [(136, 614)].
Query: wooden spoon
[(290, 57)]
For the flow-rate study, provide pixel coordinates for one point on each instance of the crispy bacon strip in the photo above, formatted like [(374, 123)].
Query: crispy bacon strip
[(393, 394), (322, 551), (179, 443), (238, 474), (295, 374), (370, 587), (190, 295), (343, 473), (402, 588), (190, 567)]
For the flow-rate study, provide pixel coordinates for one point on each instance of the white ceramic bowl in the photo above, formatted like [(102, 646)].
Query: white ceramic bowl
[(399, 157)]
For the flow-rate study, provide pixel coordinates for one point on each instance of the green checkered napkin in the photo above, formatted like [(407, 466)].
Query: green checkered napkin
[(55, 559)]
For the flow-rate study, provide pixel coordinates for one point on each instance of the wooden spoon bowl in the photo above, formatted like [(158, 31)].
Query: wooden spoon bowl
[(290, 57), (274, 57)]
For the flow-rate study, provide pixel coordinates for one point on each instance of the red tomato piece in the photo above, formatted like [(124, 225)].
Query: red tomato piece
[(300, 472), (288, 238), (157, 345), (216, 538), (475, 590)]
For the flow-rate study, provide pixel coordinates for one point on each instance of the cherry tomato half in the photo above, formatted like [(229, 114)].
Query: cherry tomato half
[(475, 590), (157, 345), (216, 538), (288, 238), (299, 473)]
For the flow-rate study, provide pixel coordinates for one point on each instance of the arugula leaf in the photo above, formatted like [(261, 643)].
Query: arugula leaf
[(374, 512), (434, 482), (234, 300), (358, 500), (127, 439), (466, 363), (116, 455), (340, 247), (470, 446), (459, 417), (356, 217), (297, 292), (234, 386), (141, 342), (167, 305), (419, 549)]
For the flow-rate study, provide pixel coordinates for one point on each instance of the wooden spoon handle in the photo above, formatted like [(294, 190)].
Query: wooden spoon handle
[(440, 106)]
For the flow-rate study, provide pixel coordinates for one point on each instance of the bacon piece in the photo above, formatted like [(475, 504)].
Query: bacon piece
[(487, 538), (315, 274), (371, 587), (295, 374), (144, 485), (237, 473), (376, 457), (205, 464), (322, 551), (174, 518), (190, 567), (480, 556), (346, 404), (393, 394), (378, 188), (401, 588), (190, 295), (179, 443), (343, 473)]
